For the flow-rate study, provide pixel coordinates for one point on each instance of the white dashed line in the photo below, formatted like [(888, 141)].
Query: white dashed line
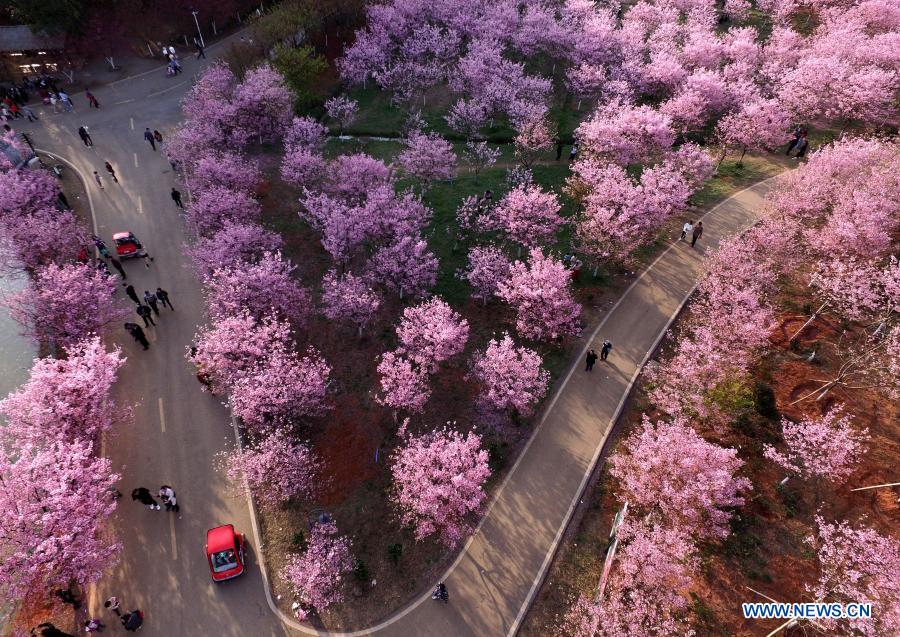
[(162, 415), (135, 160)]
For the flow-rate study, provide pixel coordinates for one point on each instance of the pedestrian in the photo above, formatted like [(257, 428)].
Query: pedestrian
[(92, 101), (97, 179), (200, 49), (111, 171), (604, 351), (167, 495), (94, 626), (176, 197), (113, 604), (698, 232), (133, 620), (147, 314), (157, 136), (49, 630), (150, 299), (574, 152), (54, 101), (148, 135), (129, 290), (559, 149), (687, 229), (67, 101), (29, 114), (142, 495), (590, 360), (85, 136), (440, 593), (118, 266), (66, 596), (138, 334), (802, 146), (798, 133), (163, 297)]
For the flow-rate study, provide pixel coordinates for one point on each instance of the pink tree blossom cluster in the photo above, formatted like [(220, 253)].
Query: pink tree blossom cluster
[(487, 267), (274, 469), (348, 298), (428, 157), (55, 490), (342, 110), (438, 481), (526, 215), (512, 377), (316, 576)]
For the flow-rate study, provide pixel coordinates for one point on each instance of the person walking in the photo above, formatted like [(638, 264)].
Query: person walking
[(167, 495), (132, 294), (147, 314), (85, 136), (54, 102), (92, 101), (574, 152), (93, 625), (150, 299), (133, 620), (698, 232), (29, 114), (66, 101), (111, 171), (113, 604), (604, 351), (176, 197), (138, 334), (163, 297), (798, 133), (157, 136), (148, 135), (142, 495), (687, 229), (201, 53), (559, 149), (440, 593), (97, 179), (590, 360), (802, 146)]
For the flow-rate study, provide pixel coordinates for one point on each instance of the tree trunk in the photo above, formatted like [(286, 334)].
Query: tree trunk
[(812, 318)]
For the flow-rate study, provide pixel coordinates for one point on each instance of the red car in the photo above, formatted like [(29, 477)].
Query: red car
[(127, 245), (225, 552)]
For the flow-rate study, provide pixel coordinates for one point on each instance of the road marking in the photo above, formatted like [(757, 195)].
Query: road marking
[(172, 533), (123, 102), (166, 90), (140, 205), (162, 415), (135, 160), (131, 120)]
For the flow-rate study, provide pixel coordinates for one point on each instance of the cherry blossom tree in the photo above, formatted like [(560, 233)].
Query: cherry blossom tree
[(275, 469), (348, 298), (858, 565), (428, 157), (263, 103), (539, 292), (66, 398), (431, 332), (527, 215), (354, 176), (626, 134), (26, 191), (264, 287), (826, 447), (56, 495), (480, 156), (439, 483), (487, 267), (66, 303), (316, 576), (45, 236), (225, 168), (307, 133), (533, 137), (232, 243), (343, 111), (512, 376), (233, 345), (213, 207), (863, 291), (759, 125), (467, 117), (279, 388), (667, 469), (406, 265), (303, 167), (404, 385)]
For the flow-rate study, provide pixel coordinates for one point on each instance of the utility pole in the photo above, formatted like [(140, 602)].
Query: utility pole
[(199, 32)]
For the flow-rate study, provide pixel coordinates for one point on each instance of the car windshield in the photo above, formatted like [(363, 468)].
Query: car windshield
[(224, 560)]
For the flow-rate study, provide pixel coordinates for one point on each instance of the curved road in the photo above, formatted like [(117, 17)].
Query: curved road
[(177, 429)]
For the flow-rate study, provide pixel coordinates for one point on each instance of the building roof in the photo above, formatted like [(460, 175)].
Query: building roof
[(21, 38)]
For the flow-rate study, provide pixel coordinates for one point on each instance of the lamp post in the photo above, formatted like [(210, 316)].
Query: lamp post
[(199, 32)]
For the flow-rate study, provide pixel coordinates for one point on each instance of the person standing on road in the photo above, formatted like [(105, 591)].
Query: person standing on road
[(29, 114), (698, 232), (111, 171), (687, 229), (97, 179), (167, 495), (157, 136), (138, 334), (163, 297), (132, 294), (93, 625), (148, 135), (150, 299), (113, 604), (85, 136), (604, 351), (142, 495), (200, 49), (133, 620), (590, 360), (66, 101), (147, 314), (176, 197), (92, 101), (440, 593)]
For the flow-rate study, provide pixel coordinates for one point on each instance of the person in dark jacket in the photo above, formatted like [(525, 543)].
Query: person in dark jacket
[(145, 313), (150, 299), (137, 333), (129, 290), (163, 297), (142, 495), (590, 360)]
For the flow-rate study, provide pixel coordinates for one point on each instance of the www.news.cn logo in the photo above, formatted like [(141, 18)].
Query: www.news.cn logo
[(811, 610)]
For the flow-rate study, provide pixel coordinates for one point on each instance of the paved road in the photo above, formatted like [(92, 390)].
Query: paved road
[(178, 429)]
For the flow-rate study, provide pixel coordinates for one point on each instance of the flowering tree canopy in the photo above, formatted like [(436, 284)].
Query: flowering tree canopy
[(263, 103), (348, 298), (428, 156), (488, 266), (231, 244), (406, 265), (275, 469), (342, 110), (527, 215), (316, 576), (513, 376), (213, 207), (225, 168), (404, 385), (431, 332)]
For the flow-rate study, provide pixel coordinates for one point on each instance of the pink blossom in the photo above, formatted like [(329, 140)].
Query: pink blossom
[(263, 103), (759, 125), (342, 110), (467, 117), (527, 215), (276, 469), (348, 298), (45, 236), (213, 207), (860, 290), (303, 167), (316, 576), (353, 176), (439, 483), (626, 134), (227, 169), (428, 157), (539, 292), (431, 332), (407, 265), (24, 192), (404, 385), (232, 243), (480, 156), (533, 137), (487, 267), (307, 133), (512, 376)]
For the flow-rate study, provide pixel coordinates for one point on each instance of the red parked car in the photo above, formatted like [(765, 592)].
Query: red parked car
[(128, 246), (225, 552)]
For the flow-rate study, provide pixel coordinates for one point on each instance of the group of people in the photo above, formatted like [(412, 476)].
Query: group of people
[(799, 143), (165, 493), (695, 231), (591, 358), (146, 309), (131, 620)]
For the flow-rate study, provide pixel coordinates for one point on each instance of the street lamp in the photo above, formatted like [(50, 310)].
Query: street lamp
[(199, 32)]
